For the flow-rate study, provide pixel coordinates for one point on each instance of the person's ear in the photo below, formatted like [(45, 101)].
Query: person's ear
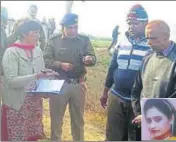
[(167, 36)]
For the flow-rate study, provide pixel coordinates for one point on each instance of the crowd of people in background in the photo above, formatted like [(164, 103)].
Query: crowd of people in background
[(48, 24), (142, 65)]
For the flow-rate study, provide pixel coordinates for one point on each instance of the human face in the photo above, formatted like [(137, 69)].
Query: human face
[(158, 124), (71, 31), (136, 28), (33, 12), (32, 37), (156, 39)]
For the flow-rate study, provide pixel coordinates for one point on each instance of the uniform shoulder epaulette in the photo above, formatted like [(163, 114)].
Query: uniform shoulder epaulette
[(83, 36), (53, 36)]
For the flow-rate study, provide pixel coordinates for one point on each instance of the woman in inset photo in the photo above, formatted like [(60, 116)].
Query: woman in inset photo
[(160, 117)]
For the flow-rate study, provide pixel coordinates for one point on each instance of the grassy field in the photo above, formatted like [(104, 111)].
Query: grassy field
[(101, 43), (95, 116)]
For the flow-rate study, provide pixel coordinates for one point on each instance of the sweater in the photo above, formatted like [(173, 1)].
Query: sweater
[(126, 60), (156, 78)]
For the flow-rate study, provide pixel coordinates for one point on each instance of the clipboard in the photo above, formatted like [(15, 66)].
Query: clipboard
[(48, 86)]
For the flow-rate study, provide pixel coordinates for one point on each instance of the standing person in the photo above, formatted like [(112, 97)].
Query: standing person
[(22, 64), (45, 29), (115, 34), (31, 15), (121, 75), (51, 26), (156, 78), (3, 44), (160, 116), (69, 53)]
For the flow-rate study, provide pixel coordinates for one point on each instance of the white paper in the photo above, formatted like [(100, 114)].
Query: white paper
[(48, 86)]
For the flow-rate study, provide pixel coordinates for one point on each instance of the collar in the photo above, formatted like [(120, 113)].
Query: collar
[(133, 40), (167, 50), (23, 46), (63, 37)]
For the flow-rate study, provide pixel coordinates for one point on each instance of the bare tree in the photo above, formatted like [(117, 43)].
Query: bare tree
[(69, 5)]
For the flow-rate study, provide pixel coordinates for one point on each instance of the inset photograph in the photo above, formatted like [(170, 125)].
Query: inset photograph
[(158, 119)]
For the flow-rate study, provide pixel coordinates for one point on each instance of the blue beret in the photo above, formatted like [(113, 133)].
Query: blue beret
[(69, 19), (4, 13)]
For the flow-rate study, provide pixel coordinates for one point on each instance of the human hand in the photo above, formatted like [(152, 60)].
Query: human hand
[(47, 74), (66, 66), (137, 120), (87, 60), (103, 100)]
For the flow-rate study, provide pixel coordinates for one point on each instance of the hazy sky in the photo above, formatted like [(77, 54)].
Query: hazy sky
[(96, 17)]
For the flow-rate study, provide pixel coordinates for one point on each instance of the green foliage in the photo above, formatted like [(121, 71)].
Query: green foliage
[(97, 43)]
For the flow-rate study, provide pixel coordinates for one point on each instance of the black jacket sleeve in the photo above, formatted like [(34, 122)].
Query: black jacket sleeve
[(136, 94), (172, 87), (109, 78)]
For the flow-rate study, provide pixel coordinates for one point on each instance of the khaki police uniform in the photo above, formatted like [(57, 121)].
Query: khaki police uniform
[(69, 50)]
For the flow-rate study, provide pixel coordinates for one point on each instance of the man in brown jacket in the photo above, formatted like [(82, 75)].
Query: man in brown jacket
[(69, 53)]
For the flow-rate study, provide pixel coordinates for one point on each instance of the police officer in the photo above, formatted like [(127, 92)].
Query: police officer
[(32, 14), (69, 53)]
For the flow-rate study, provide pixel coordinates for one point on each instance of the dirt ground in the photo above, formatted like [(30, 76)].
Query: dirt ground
[(95, 116)]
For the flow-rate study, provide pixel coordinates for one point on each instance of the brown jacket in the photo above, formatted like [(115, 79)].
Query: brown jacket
[(70, 51)]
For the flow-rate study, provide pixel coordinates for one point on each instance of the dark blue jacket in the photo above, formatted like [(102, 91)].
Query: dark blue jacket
[(125, 63)]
